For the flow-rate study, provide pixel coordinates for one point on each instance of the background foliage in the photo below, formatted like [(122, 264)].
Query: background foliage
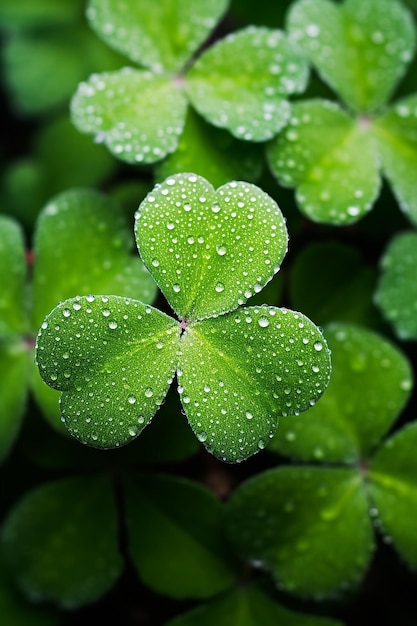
[(314, 101)]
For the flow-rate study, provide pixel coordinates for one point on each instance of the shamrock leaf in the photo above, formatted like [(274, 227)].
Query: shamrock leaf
[(361, 49), (396, 294), (335, 158), (312, 526), (114, 358), (78, 514), (146, 120)]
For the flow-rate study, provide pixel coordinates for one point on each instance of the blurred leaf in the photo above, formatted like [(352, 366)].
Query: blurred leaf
[(396, 294), (174, 535), (331, 160), (109, 369), (242, 82), (212, 153), (70, 159), (13, 382), (392, 485), (134, 138), (240, 371), (228, 243), (330, 281), (13, 320), (23, 189), (308, 525), (30, 14), (60, 541), (360, 48), (247, 606), (369, 386), (82, 245), (159, 35), (16, 611), (396, 134)]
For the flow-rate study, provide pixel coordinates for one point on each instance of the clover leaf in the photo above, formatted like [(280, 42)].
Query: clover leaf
[(140, 113), (238, 369), (396, 293), (334, 158), (71, 224), (312, 526)]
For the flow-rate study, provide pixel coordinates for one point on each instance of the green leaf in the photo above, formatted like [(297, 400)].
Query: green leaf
[(243, 81), (330, 158), (159, 35), (82, 245), (81, 163), (238, 373), (208, 250), (114, 359), (396, 294), (12, 278), (15, 611), (29, 14), (308, 525), (340, 290), (247, 606), (361, 49), (370, 384), (396, 134), (392, 485), (212, 153), (60, 541), (137, 114), (174, 537), (13, 384)]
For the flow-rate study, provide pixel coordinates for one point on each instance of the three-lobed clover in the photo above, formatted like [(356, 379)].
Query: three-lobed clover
[(241, 83), (238, 367), (335, 155)]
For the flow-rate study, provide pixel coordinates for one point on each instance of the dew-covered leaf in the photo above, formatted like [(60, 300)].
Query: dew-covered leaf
[(330, 158), (247, 605), (160, 35), (242, 82), (114, 359), (396, 134), (137, 114), (369, 386), (393, 489), (238, 373), (174, 537), (212, 153), (208, 250), (83, 245), (12, 278), (60, 541), (396, 294), (309, 526), (337, 290), (361, 49)]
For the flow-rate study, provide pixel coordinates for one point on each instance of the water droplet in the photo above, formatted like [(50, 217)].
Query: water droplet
[(155, 262), (263, 322), (261, 444), (133, 431), (249, 415), (131, 399), (106, 312), (148, 392), (112, 325), (318, 346), (176, 288), (66, 312), (221, 250), (202, 436), (219, 287)]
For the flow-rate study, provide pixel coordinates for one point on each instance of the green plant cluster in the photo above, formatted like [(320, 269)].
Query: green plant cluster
[(208, 252)]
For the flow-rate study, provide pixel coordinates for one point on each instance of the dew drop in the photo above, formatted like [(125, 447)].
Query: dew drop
[(66, 312), (131, 399), (133, 431), (263, 322), (176, 288), (219, 287), (155, 262), (249, 415), (221, 250), (318, 346), (202, 436), (148, 392), (112, 325)]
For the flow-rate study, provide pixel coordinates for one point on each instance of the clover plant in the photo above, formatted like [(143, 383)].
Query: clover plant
[(333, 154), (238, 369)]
